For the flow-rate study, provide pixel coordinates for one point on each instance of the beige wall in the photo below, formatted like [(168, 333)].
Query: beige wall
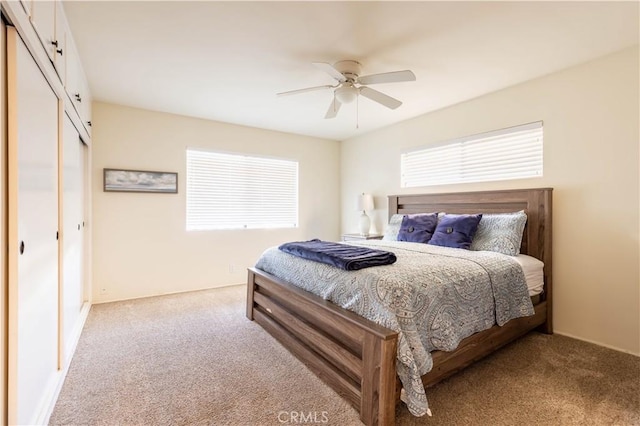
[(140, 245), (591, 123)]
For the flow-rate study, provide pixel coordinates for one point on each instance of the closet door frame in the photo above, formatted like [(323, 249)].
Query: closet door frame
[(3, 228), (12, 231)]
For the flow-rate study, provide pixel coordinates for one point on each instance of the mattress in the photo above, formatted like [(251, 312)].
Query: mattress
[(533, 273)]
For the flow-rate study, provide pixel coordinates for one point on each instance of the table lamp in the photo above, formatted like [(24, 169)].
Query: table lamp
[(365, 202)]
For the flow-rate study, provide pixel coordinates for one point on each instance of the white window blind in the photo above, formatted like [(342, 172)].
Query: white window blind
[(512, 153), (231, 191)]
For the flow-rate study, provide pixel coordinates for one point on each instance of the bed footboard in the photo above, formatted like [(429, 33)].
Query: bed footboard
[(351, 354)]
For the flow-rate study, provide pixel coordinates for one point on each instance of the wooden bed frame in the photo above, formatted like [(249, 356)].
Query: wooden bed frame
[(357, 357)]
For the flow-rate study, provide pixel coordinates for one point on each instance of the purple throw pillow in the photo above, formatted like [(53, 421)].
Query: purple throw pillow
[(418, 228), (456, 230)]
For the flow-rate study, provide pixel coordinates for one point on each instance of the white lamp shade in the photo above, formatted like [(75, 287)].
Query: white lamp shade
[(365, 202)]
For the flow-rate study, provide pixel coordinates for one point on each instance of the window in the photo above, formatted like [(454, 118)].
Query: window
[(235, 191), (512, 153)]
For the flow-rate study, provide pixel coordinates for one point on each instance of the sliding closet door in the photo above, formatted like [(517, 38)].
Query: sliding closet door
[(73, 207), (33, 228)]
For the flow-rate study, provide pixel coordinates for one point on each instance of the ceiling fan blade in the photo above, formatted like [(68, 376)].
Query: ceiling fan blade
[(308, 89), (388, 77), (329, 69), (380, 97), (334, 107)]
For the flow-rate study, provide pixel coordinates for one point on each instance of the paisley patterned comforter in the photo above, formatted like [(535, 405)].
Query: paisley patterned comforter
[(433, 296)]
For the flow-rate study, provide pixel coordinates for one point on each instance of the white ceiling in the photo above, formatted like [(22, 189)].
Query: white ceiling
[(225, 61)]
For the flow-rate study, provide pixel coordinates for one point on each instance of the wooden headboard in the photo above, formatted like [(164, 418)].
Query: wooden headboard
[(537, 204)]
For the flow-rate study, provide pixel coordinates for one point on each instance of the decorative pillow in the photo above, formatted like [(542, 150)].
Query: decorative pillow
[(456, 230), (391, 233), (418, 228), (500, 232)]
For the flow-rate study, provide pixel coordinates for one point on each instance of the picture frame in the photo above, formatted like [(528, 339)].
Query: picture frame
[(122, 180)]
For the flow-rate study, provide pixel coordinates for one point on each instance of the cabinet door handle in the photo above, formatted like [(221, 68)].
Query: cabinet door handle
[(21, 247), (59, 51), (89, 123), (54, 42), (78, 227), (78, 98)]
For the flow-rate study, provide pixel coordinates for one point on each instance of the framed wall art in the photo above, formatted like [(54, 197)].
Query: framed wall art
[(118, 180)]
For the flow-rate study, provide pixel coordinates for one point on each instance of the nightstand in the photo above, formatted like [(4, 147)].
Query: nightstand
[(358, 237)]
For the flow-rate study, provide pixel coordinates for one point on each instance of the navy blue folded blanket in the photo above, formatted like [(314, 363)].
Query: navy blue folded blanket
[(343, 256)]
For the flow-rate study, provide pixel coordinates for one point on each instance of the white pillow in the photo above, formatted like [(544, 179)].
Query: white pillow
[(391, 233)]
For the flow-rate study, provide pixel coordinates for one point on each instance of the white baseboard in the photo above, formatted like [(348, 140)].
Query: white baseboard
[(562, 333), (99, 302)]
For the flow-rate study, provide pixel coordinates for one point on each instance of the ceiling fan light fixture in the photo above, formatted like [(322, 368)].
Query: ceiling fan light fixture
[(346, 93), (350, 84)]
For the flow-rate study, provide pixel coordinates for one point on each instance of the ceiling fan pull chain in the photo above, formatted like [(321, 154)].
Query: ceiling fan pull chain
[(358, 112)]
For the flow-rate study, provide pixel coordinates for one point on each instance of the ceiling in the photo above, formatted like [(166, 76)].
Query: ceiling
[(226, 61)]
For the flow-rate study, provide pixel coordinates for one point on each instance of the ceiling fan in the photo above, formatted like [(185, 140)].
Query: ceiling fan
[(351, 84)]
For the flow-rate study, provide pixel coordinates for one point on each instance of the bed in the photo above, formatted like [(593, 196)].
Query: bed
[(356, 356)]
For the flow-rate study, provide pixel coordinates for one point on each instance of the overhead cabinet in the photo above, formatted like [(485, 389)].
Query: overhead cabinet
[(59, 43), (50, 24), (77, 87), (26, 5), (43, 19)]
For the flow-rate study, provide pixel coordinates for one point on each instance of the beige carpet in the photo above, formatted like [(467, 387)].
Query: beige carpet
[(194, 359)]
